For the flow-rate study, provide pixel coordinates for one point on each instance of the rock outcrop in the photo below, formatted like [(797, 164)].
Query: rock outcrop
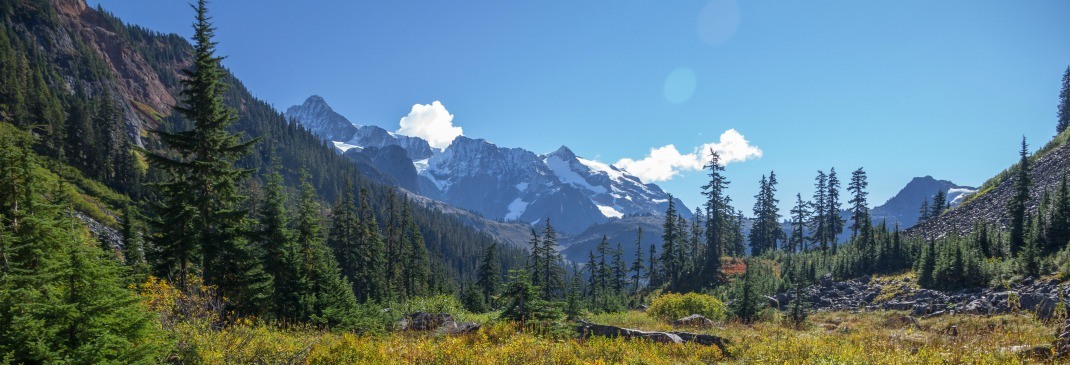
[(1031, 295), (586, 330)]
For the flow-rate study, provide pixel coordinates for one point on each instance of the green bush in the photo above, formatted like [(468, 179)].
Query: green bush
[(675, 306)]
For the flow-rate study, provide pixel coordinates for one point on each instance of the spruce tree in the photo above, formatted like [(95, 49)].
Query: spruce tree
[(535, 265), (1016, 206), (1058, 232), (619, 269), (1064, 103)]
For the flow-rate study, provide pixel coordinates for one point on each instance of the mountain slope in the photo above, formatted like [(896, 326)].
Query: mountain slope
[(989, 205), (84, 53)]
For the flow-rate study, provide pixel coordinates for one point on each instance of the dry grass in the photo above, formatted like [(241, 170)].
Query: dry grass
[(830, 338)]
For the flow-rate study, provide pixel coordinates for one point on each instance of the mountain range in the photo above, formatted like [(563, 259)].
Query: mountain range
[(498, 183)]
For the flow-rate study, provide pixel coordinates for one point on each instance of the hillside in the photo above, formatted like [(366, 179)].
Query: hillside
[(989, 205), (64, 55)]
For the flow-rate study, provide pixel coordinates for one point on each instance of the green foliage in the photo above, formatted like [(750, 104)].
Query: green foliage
[(62, 299), (524, 301), (672, 306)]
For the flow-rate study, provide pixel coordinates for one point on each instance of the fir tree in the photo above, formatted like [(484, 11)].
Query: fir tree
[(1064, 103), (832, 210), (717, 211), (924, 211), (800, 215), (369, 283), (670, 264), (819, 221), (637, 265), (939, 204), (524, 302), (489, 274), (620, 270), (1016, 207), (201, 200), (859, 206)]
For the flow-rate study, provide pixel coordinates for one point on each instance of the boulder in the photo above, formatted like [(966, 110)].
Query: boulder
[(423, 321), (1041, 304), (587, 329), (694, 320)]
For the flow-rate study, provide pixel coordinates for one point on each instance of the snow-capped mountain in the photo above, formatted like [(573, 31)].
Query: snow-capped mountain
[(318, 117), (499, 183), (516, 184)]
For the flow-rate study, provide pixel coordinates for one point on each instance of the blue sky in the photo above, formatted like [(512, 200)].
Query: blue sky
[(901, 88)]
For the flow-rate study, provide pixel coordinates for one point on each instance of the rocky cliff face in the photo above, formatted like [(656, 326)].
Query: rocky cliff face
[(990, 207), (79, 29)]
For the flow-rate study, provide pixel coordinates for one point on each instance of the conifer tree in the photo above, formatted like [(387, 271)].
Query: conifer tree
[(552, 284), (524, 304), (832, 210), (653, 273), (62, 299), (637, 265), (489, 274), (345, 232), (800, 215), (717, 212), (924, 211), (859, 206), (416, 269), (324, 295), (939, 204), (1016, 207), (669, 256), (276, 241), (1058, 232), (620, 270), (1064, 103), (369, 283), (535, 265), (819, 221), (201, 207)]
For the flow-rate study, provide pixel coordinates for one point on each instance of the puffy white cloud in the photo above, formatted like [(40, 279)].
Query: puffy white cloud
[(663, 163), (432, 122)]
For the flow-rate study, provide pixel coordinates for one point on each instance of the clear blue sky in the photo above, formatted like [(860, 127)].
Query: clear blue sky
[(902, 88)]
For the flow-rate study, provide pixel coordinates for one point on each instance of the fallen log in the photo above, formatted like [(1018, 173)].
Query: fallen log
[(586, 329)]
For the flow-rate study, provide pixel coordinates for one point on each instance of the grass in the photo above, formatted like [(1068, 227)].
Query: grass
[(829, 338)]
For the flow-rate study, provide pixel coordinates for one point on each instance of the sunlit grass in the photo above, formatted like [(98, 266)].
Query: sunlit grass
[(829, 338)]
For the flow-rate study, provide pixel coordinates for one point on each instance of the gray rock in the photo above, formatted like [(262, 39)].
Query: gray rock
[(694, 320)]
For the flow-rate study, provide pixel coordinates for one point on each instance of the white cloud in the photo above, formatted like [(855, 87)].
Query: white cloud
[(432, 123), (663, 163)]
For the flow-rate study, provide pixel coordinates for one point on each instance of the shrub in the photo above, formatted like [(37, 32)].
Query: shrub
[(674, 306)]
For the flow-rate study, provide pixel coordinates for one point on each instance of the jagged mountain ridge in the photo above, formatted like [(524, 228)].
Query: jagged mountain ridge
[(499, 183)]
